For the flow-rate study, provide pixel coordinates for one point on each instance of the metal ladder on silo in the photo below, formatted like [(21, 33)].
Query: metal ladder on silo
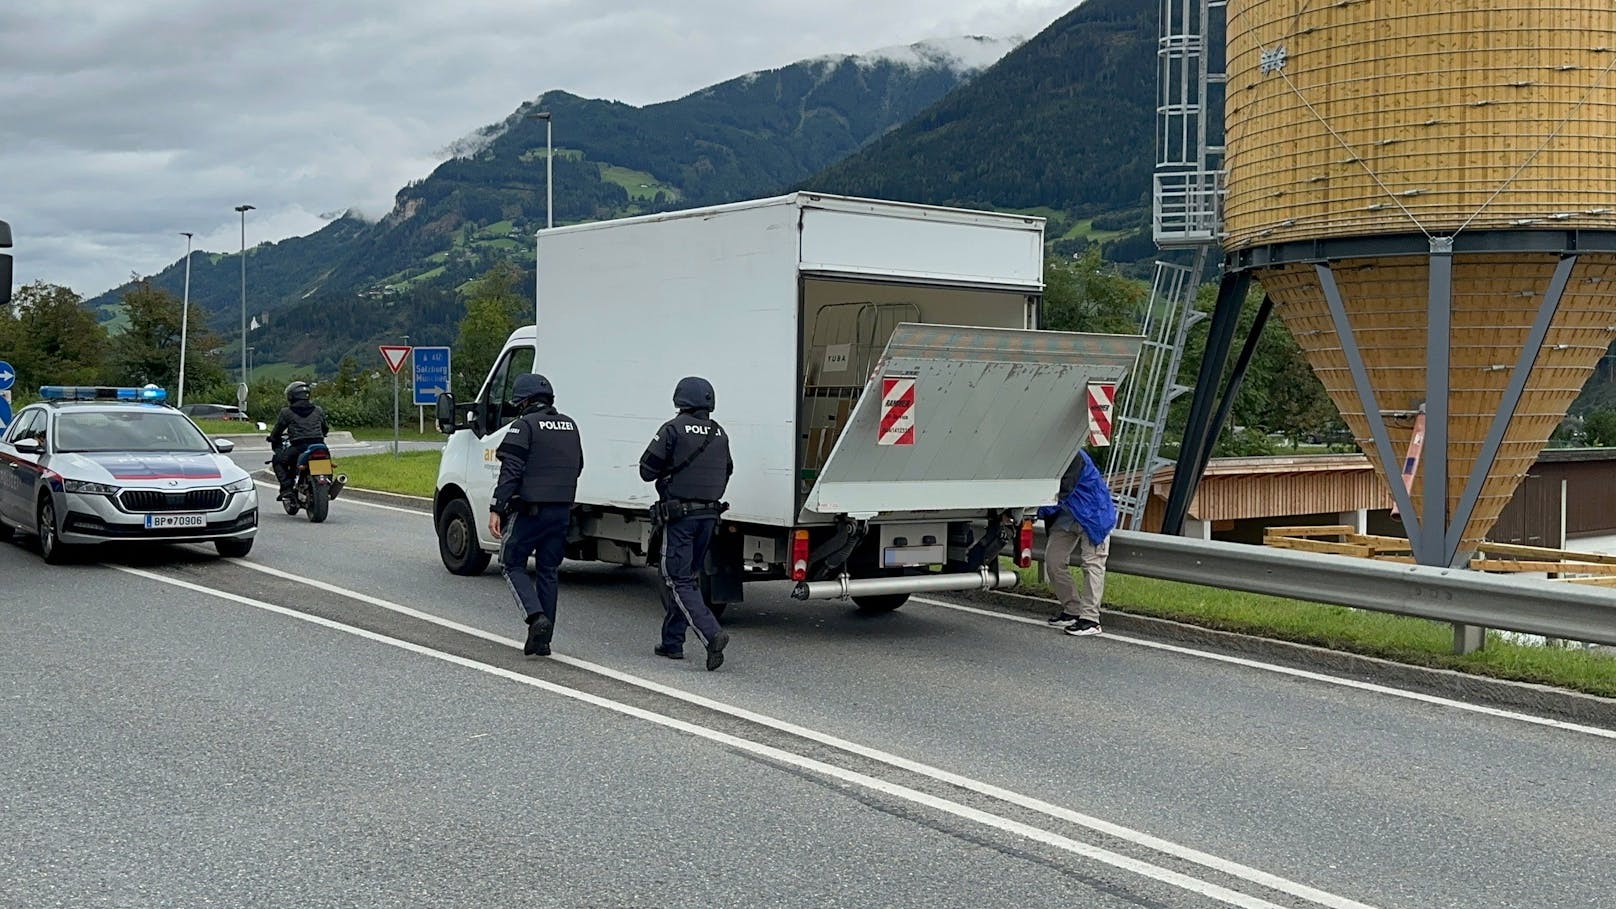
[(1185, 215)]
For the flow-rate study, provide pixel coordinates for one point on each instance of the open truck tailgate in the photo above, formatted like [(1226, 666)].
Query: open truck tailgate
[(997, 415)]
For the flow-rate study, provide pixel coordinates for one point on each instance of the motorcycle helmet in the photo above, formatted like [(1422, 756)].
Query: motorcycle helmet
[(297, 391)]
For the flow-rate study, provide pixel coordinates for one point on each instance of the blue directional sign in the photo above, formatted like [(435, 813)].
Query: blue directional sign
[(431, 374), (8, 378)]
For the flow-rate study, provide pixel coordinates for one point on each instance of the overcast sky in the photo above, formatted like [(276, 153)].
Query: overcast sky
[(123, 122)]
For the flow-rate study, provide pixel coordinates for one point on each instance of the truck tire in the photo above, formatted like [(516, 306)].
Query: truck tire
[(704, 581), (878, 605), (457, 540)]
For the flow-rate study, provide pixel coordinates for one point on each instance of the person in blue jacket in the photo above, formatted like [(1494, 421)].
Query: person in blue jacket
[(1082, 520)]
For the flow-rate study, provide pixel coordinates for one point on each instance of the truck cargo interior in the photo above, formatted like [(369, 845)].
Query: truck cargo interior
[(846, 325)]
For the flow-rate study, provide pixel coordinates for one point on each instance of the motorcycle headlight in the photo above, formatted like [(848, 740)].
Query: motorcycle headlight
[(245, 484), (84, 487)]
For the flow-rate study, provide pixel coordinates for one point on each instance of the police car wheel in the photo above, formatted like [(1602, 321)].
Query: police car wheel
[(51, 547), (457, 540)]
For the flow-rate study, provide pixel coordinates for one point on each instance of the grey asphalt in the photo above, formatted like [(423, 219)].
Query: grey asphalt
[(1376, 799)]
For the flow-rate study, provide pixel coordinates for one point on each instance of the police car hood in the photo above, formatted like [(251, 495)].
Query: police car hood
[(169, 470)]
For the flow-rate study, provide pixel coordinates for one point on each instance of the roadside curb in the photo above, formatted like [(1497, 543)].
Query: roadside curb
[(394, 499), (253, 441), (1558, 703)]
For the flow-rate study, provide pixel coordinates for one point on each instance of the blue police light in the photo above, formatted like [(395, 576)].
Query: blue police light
[(148, 394)]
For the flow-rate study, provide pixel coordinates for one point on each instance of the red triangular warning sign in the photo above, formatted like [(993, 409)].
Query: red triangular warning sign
[(394, 355)]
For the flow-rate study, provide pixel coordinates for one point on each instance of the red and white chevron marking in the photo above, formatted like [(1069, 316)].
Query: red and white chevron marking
[(1100, 397), (897, 411)]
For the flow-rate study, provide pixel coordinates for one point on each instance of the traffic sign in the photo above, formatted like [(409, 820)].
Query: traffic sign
[(394, 355), (8, 376), (431, 374)]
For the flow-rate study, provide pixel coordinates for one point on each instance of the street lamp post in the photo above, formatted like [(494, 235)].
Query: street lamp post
[(249, 365), (242, 392), (549, 202), (185, 315)]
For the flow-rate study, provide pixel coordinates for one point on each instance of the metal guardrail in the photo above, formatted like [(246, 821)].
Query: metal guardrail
[(1458, 596)]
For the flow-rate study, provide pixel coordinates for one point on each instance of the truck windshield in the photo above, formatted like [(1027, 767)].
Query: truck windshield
[(134, 430)]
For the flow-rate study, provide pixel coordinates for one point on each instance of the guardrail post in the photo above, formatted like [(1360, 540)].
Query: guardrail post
[(1468, 638)]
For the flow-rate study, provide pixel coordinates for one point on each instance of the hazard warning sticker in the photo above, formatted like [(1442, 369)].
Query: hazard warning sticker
[(1100, 397), (897, 411)]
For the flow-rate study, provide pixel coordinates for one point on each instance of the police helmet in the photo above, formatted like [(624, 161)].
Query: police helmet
[(693, 393), (532, 385), (297, 391)]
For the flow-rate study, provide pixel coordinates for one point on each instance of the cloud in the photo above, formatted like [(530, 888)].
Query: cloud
[(128, 121)]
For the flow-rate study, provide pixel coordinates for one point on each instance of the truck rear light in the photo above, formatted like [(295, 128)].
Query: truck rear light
[(1024, 553), (799, 555)]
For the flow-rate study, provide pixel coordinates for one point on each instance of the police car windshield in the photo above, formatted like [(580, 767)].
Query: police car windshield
[(128, 430)]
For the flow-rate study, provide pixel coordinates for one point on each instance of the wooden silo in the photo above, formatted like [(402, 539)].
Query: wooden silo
[(1426, 190)]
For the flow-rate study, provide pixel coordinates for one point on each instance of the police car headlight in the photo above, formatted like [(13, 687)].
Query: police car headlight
[(245, 484), (83, 487)]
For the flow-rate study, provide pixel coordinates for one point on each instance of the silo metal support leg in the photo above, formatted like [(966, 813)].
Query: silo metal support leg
[(1232, 390), (1366, 394), (1438, 345), (1199, 431)]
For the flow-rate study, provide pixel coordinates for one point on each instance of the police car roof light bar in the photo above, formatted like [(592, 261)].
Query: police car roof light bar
[(150, 394)]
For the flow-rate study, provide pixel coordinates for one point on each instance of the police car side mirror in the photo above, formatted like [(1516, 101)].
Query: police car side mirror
[(262, 426), (224, 446), (27, 446)]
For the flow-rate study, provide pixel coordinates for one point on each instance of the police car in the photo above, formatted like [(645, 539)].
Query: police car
[(113, 465)]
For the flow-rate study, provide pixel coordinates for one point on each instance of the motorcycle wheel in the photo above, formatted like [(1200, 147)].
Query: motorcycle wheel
[(289, 504), (319, 502)]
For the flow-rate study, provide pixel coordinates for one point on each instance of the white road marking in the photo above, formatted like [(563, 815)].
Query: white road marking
[(1098, 825), (415, 511), (957, 809), (1298, 673)]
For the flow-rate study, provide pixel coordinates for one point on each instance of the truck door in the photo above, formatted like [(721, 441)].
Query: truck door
[(496, 411), (966, 419)]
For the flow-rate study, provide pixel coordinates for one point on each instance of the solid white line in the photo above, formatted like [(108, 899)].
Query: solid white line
[(975, 815), (416, 512), (1300, 673), (1138, 838)]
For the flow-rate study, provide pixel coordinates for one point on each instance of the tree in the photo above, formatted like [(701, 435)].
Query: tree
[(1600, 428), (50, 338), (148, 351), (492, 309), (1088, 294)]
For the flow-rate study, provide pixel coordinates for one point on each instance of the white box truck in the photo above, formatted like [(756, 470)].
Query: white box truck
[(876, 367)]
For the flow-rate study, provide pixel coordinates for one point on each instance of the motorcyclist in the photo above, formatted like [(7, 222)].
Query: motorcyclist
[(301, 424)]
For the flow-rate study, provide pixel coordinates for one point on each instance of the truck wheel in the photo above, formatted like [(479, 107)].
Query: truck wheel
[(705, 582), (876, 605), (457, 540)]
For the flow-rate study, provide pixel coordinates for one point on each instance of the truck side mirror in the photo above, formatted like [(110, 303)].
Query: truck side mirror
[(5, 264), (447, 419)]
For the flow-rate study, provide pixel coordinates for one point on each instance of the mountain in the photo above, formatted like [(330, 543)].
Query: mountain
[(746, 137), (1063, 125)]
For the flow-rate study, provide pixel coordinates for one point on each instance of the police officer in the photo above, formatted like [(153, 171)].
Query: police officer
[(301, 423), (540, 459), (690, 463)]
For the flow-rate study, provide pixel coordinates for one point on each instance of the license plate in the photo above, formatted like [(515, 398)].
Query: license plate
[(166, 521), (321, 468)]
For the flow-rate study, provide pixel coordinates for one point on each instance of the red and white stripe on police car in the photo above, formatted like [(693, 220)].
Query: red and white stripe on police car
[(897, 411), (1100, 397)]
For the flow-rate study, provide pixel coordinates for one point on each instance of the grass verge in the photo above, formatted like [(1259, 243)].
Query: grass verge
[(411, 473), (1418, 642), (228, 427)]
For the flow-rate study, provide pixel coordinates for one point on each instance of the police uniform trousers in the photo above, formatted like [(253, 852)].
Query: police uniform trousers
[(684, 552), (540, 532)]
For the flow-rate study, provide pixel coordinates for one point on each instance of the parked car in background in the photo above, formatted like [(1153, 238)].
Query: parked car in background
[(213, 412)]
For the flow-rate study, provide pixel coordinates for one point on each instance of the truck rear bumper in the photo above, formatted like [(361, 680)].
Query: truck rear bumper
[(987, 578)]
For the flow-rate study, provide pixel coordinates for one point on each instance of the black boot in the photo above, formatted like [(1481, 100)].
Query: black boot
[(715, 650), (539, 629)]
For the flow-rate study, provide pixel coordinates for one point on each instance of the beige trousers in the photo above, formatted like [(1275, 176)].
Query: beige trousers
[(1061, 544)]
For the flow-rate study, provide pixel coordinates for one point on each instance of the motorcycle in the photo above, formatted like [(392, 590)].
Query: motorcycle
[(317, 483)]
